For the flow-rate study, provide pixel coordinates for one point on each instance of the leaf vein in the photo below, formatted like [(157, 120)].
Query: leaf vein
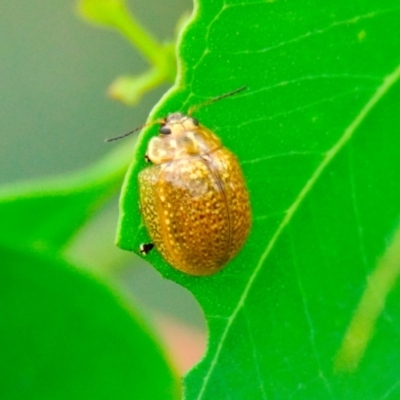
[(321, 31)]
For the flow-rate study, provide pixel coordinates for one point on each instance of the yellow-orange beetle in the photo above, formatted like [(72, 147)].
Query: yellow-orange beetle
[(194, 199)]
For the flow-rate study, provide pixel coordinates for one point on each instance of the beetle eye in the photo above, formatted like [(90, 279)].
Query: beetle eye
[(195, 122), (164, 130)]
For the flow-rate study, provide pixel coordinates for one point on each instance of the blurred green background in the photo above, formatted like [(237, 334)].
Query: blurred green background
[(54, 73)]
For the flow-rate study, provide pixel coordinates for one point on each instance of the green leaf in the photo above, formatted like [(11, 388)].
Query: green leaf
[(66, 336), (317, 134), (44, 215)]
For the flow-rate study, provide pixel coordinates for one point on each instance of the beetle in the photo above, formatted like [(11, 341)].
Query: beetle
[(193, 199)]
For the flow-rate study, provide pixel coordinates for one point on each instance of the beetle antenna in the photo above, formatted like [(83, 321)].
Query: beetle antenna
[(125, 134), (218, 98), (135, 130)]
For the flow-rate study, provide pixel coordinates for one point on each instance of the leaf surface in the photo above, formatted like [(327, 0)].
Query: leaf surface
[(317, 135)]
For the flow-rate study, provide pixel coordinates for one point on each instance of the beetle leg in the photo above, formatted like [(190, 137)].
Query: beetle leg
[(146, 158), (145, 248)]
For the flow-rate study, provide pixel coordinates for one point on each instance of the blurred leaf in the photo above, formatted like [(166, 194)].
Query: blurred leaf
[(45, 215), (66, 336), (161, 56), (317, 134)]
